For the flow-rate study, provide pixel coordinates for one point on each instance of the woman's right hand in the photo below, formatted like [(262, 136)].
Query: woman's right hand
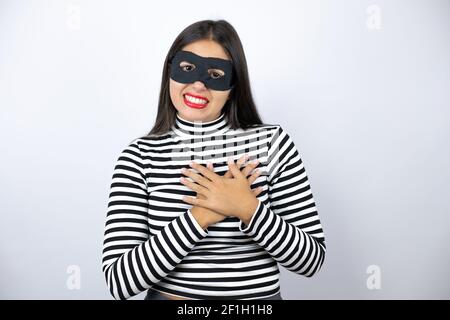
[(206, 217)]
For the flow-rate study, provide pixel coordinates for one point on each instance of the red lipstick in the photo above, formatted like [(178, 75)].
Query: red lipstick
[(193, 104)]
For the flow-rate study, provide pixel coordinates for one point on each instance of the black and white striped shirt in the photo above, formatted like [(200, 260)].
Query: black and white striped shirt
[(151, 239)]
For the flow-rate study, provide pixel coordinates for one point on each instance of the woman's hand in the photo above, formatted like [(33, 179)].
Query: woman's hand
[(229, 196), (206, 217)]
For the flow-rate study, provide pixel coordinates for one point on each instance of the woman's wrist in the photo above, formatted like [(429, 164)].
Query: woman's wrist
[(248, 210), (201, 217)]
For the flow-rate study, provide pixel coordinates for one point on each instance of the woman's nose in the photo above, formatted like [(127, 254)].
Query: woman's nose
[(198, 85)]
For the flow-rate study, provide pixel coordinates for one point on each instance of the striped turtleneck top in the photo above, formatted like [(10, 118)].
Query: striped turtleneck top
[(152, 240)]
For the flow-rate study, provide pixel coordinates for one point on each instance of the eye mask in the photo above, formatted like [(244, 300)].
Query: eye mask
[(199, 72)]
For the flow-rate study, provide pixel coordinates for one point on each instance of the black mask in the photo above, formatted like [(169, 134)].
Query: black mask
[(197, 70)]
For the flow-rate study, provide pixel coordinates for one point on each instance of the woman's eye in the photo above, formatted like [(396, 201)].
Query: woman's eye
[(215, 74), (188, 67)]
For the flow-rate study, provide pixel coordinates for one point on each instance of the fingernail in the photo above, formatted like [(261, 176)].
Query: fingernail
[(183, 169), (191, 164)]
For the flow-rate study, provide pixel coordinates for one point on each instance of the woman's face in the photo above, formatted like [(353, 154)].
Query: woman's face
[(208, 103)]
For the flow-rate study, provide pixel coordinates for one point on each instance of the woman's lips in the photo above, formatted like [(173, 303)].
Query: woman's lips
[(195, 101)]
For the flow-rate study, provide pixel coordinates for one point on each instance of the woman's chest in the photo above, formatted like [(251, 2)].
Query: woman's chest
[(166, 191)]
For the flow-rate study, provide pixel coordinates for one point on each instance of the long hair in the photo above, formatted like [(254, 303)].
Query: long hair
[(240, 107)]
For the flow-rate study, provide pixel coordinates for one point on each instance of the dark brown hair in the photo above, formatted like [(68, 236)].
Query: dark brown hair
[(240, 107)]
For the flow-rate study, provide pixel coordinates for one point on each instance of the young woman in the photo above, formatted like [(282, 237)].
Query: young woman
[(189, 215)]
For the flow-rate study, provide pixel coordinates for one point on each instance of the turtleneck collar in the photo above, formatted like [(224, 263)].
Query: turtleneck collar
[(195, 129)]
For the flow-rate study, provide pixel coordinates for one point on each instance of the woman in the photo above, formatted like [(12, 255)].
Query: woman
[(218, 228)]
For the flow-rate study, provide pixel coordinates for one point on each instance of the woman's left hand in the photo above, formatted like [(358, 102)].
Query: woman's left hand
[(228, 196)]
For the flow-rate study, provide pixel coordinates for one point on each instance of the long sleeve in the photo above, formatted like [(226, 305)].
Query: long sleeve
[(133, 259), (289, 229)]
